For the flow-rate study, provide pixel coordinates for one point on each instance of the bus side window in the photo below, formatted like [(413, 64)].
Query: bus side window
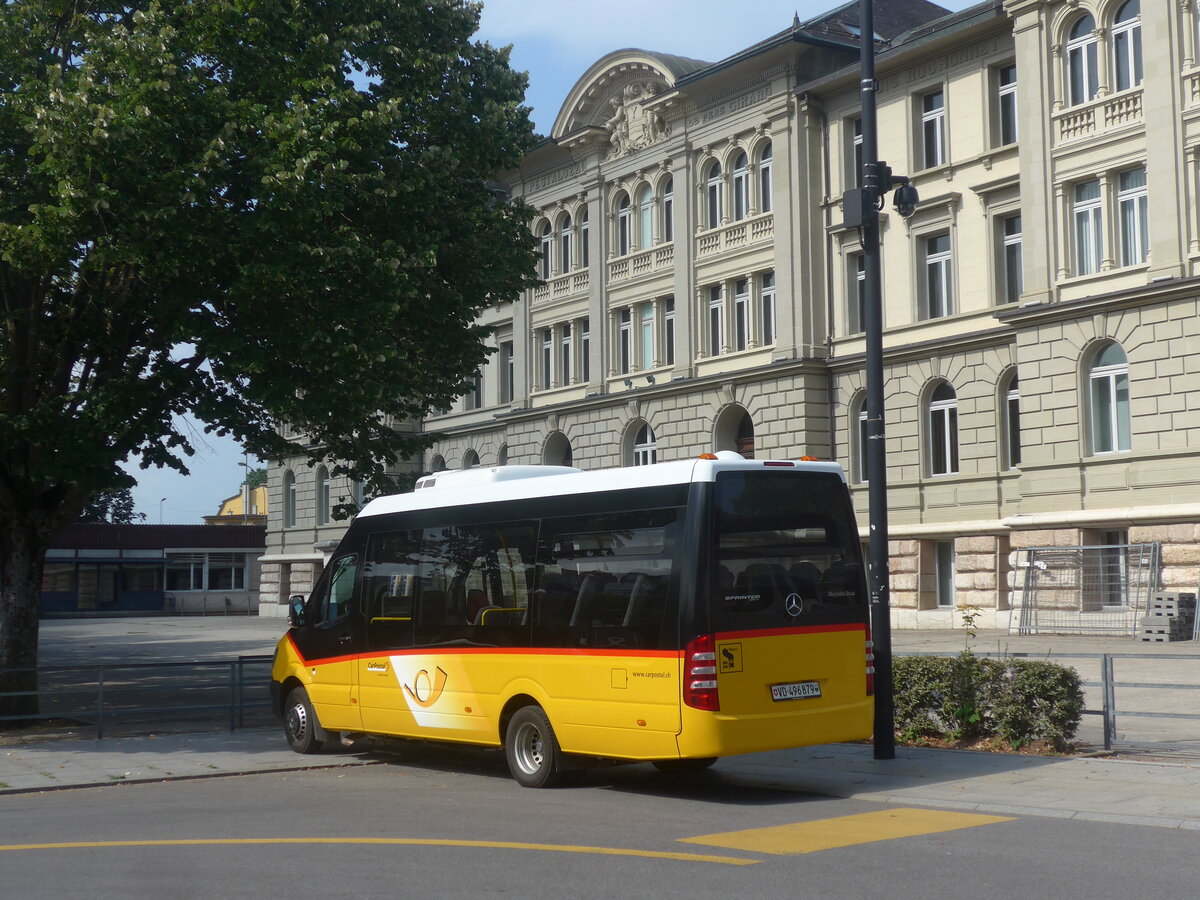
[(331, 600), (390, 588), (605, 580)]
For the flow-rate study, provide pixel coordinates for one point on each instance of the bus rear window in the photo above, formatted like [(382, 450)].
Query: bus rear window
[(787, 552)]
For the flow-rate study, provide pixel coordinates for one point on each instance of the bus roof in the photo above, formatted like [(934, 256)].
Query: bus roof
[(466, 487)]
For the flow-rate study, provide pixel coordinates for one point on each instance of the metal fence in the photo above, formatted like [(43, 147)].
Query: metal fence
[(1087, 590), (139, 698)]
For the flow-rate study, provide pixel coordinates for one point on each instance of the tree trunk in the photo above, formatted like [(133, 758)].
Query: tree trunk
[(21, 556)]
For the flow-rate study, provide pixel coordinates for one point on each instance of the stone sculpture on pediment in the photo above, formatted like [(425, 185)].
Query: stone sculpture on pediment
[(631, 126)]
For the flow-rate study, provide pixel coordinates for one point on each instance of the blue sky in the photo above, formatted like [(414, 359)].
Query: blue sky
[(555, 41)]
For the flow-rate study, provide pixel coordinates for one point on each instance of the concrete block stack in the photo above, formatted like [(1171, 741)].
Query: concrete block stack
[(1170, 616)]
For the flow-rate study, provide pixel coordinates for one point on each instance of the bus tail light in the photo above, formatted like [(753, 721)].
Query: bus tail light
[(700, 674), (870, 663)]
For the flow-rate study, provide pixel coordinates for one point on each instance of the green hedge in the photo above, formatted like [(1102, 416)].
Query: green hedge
[(969, 698)]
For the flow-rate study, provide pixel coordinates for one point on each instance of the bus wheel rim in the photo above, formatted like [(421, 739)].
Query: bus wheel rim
[(298, 721), (529, 749)]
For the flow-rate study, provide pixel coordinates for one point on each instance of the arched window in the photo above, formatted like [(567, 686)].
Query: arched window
[(502, 456), (712, 187), (943, 431), (624, 226), (735, 431), (764, 180), (741, 188), (566, 236), (289, 499), (470, 459), (438, 463), (547, 244), (1011, 423), (1108, 392), (668, 211), (645, 447), (1082, 71), (1127, 45), (322, 485), (584, 256), (557, 451), (859, 442), (645, 217)]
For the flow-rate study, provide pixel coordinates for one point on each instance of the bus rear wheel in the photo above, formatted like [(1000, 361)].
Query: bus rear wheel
[(300, 723), (532, 749), (683, 766)]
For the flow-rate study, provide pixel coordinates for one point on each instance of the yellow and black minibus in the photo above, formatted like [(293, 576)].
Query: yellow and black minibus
[(672, 613)]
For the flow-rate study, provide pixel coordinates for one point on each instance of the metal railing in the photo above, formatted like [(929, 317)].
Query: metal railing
[(1108, 685), (160, 696)]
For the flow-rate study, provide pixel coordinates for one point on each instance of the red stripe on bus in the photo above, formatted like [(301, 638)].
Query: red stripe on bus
[(483, 651)]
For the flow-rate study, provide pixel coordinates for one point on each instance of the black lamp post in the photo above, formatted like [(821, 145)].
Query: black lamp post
[(861, 207)]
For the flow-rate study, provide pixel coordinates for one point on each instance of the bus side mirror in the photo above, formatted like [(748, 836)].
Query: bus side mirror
[(296, 615)]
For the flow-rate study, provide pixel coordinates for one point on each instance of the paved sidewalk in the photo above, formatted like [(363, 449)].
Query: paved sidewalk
[(1106, 790)]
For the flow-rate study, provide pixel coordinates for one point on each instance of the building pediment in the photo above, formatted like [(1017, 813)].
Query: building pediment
[(618, 101)]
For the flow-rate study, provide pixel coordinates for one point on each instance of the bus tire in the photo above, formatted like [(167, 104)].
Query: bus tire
[(534, 758), (300, 723), (683, 766)]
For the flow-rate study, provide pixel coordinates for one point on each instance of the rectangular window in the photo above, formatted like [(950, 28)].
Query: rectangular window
[(565, 239), (668, 213), (938, 280), (564, 342), (944, 566), (474, 400), (767, 300), (1011, 246), (764, 182), (669, 332), (547, 243), (1006, 105), (1089, 227), (856, 153), (583, 241), (624, 228), (741, 193), (856, 289), (863, 445), (185, 572), (741, 313), (716, 315), (933, 129), (227, 571), (508, 371), (625, 342), (1133, 209), (547, 360), (585, 347), (646, 333)]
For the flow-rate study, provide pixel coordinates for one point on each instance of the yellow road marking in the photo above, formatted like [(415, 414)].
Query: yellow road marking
[(418, 842), (845, 831)]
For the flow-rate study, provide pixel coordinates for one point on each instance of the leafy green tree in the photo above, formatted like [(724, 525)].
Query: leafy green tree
[(115, 506), (252, 211), (256, 477)]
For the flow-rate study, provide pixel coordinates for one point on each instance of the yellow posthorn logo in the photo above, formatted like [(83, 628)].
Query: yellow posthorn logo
[(426, 689)]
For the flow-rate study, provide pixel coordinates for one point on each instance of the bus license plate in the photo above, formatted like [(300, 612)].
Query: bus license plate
[(796, 690)]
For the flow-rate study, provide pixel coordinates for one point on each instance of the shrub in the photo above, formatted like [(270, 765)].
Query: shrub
[(966, 698)]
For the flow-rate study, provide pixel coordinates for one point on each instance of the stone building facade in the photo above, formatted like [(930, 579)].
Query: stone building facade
[(699, 290)]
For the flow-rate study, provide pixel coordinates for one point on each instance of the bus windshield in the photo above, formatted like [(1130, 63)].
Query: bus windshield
[(787, 552)]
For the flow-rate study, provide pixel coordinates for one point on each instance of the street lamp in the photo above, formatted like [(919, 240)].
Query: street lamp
[(861, 208), (160, 503)]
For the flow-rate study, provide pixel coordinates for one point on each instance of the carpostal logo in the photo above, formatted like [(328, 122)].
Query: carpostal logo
[(425, 688)]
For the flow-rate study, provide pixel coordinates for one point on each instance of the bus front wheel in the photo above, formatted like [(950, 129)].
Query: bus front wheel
[(300, 722), (532, 749)]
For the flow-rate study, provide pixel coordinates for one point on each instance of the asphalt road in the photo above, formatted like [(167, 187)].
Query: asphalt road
[(453, 824)]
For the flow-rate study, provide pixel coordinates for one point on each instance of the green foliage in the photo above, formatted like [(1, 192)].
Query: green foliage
[(246, 211), (256, 477), (967, 698), (115, 506)]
